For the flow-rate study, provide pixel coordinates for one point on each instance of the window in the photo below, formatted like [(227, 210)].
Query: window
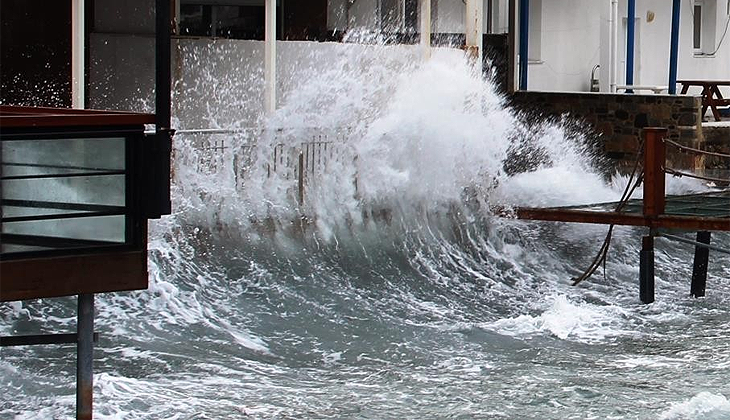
[(245, 22), (697, 31), (704, 17), (535, 31)]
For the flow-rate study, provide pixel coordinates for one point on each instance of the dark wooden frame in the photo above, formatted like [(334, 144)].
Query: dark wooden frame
[(95, 268)]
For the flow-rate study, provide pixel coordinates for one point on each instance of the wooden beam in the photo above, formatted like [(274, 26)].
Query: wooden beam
[(35, 278), (624, 219)]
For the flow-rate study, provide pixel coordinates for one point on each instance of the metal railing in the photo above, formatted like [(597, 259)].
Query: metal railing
[(300, 155)]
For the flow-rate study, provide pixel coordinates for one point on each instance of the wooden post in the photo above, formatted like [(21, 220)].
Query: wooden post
[(425, 18), (654, 159), (699, 270), (270, 57), (646, 270)]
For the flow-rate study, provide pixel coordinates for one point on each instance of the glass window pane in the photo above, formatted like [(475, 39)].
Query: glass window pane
[(697, 38), (63, 193)]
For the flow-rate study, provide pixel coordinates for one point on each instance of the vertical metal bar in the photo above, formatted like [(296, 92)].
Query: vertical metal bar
[(524, 40), (699, 269), (85, 357), (646, 270), (161, 147), (270, 57), (654, 159), (78, 36), (162, 64), (425, 21), (490, 16), (300, 181), (674, 48), (630, 34)]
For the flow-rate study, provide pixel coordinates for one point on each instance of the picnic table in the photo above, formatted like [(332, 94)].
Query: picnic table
[(711, 95)]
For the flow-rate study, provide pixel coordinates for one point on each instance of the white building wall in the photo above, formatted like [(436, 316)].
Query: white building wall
[(569, 45), (655, 45)]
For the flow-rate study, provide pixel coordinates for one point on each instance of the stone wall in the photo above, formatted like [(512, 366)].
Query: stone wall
[(617, 119)]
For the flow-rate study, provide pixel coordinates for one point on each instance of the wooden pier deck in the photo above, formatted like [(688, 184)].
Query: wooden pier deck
[(703, 213)]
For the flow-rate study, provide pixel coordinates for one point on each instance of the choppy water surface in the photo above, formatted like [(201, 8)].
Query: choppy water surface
[(403, 296)]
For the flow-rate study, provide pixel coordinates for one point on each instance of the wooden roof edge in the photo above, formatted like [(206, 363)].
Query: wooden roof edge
[(19, 117)]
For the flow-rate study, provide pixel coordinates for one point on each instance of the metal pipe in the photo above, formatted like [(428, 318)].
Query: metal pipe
[(270, 58), (674, 48), (425, 21), (630, 33), (614, 46), (524, 39), (85, 357), (698, 243), (78, 65)]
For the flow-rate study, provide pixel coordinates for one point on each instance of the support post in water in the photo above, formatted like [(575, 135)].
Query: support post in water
[(85, 357), (654, 159), (699, 270), (646, 270)]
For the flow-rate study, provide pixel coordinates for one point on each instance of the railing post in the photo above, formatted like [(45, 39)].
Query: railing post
[(654, 160)]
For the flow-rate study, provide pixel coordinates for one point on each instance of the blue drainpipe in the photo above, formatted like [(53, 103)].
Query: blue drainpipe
[(631, 18), (674, 50), (524, 32)]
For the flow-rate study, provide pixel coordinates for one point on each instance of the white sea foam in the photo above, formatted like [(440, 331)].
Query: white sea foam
[(705, 405), (566, 320)]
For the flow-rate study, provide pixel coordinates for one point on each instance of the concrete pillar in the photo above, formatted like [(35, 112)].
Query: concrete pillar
[(78, 31), (474, 28), (270, 58), (425, 18)]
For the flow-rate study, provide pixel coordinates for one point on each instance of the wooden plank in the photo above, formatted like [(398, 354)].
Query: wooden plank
[(18, 116), (624, 219), (72, 275)]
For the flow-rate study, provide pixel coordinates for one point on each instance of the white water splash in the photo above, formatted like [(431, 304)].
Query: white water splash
[(705, 406), (566, 320)]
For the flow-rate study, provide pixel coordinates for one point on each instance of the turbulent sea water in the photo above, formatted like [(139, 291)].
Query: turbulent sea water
[(402, 295)]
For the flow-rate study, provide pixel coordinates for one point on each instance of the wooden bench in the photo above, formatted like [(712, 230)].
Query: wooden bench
[(711, 95)]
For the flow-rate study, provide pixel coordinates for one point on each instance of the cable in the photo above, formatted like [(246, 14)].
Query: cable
[(680, 174), (689, 149), (727, 24), (602, 255)]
